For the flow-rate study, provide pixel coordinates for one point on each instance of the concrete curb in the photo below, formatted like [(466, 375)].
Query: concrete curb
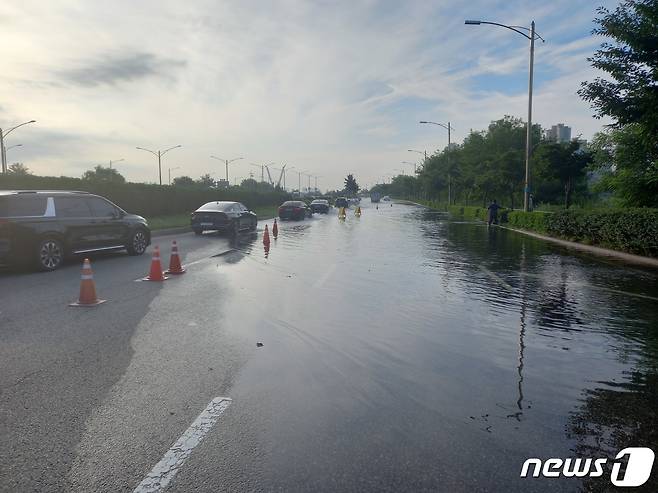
[(603, 252), (171, 231)]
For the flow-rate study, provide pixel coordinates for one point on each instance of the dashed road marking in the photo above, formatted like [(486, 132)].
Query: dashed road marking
[(165, 470), (324, 277)]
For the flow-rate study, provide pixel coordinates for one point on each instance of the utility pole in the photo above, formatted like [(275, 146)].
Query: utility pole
[(528, 143), (159, 155)]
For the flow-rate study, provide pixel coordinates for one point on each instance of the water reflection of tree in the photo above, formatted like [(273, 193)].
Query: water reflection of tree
[(555, 307), (617, 416)]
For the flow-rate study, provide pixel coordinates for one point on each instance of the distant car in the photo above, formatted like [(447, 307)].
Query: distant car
[(386, 198), (341, 202), (375, 197), (44, 227), (294, 209), (320, 206), (226, 217)]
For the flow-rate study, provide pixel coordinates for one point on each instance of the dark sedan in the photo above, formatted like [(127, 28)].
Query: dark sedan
[(320, 206), (342, 202), (294, 209), (227, 217)]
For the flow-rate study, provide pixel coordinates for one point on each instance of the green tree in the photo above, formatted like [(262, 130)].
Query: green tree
[(351, 186), (626, 166), (565, 162), (18, 169), (206, 180), (183, 181), (629, 95), (103, 174)]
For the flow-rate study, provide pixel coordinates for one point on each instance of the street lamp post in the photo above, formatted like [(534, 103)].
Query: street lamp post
[(528, 144), (159, 155), (448, 127), (115, 161), (3, 151), (227, 162), (170, 170)]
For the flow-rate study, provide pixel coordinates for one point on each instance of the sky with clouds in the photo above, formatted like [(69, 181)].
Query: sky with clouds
[(328, 87)]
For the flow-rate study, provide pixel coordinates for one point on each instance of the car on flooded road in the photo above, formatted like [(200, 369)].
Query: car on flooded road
[(320, 206), (294, 209), (342, 202), (223, 216), (42, 227)]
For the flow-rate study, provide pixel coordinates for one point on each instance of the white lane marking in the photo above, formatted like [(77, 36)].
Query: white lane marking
[(324, 277), (165, 470), (496, 278)]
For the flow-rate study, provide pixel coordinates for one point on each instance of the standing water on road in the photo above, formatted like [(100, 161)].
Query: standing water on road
[(406, 351)]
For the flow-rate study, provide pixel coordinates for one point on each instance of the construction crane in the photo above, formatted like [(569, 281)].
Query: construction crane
[(269, 175), (282, 175)]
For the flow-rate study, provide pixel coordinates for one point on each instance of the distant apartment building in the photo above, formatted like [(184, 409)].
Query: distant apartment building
[(559, 133)]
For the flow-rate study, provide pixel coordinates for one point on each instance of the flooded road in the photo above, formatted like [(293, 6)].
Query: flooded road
[(405, 351), (398, 351)]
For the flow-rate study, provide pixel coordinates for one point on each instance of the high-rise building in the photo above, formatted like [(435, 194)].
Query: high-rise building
[(559, 133)]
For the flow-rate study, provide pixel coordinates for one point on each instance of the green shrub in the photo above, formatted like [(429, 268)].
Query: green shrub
[(144, 199), (535, 221), (628, 230)]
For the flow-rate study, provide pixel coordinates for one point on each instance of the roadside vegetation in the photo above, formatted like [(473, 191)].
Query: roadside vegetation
[(603, 192), (166, 206)]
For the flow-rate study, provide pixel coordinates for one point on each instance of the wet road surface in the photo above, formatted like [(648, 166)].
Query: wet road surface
[(401, 351)]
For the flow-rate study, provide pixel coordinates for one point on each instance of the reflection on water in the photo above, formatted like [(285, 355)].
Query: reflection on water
[(611, 304), (443, 342)]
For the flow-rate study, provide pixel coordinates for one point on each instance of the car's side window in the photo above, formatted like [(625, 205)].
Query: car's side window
[(24, 206), (72, 207), (101, 208)]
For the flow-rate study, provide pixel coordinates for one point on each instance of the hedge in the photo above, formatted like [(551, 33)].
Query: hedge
[(144, 199), (627, 230), (474, 212)]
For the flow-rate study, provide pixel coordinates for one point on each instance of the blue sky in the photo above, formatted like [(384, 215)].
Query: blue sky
[(326, 87)]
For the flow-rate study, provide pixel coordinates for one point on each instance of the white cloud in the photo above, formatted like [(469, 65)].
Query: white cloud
[(329, 87)]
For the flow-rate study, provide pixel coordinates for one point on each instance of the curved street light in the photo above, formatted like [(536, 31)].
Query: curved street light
[(532, 36), (448, 127), (159, 155), (170, 170), (115, 161), (3, 134), (227, 162)]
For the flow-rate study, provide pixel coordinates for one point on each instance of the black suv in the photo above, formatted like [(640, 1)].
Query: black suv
[(42, 227)]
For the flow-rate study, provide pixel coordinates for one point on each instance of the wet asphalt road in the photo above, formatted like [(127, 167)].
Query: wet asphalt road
[(401, 352)]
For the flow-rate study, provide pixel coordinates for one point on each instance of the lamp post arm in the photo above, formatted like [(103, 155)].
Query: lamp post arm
[(147, 150)]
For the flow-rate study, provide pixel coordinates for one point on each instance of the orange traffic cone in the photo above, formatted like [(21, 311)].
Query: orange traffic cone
[(156, 273), (266, 236), (87, 287), (275, 229), (174, 261)]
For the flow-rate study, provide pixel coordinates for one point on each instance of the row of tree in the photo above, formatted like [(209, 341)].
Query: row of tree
[(620, 164)]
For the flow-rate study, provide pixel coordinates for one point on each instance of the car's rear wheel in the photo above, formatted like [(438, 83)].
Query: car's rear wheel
[(198, 232), (50, 254), (138, 242)]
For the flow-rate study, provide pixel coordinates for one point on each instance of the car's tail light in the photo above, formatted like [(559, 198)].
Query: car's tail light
[(280, 209)]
